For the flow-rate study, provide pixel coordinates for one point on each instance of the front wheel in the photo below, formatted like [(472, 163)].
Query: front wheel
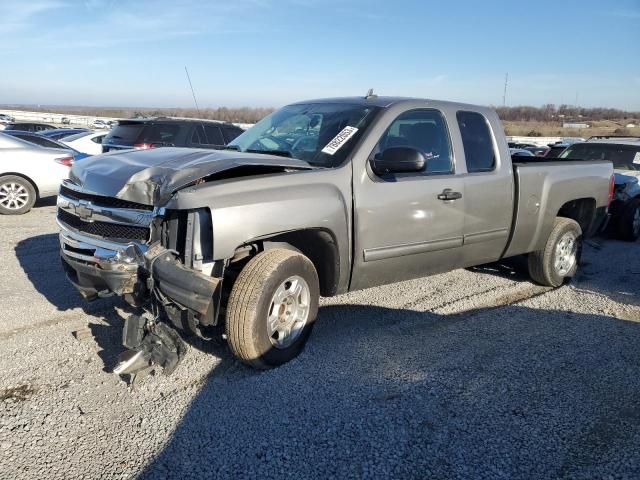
[(629, 221), (558, 260), (272, 307), (17, 195)]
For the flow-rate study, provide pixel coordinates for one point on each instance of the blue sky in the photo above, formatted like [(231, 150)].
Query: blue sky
[(271, 52)]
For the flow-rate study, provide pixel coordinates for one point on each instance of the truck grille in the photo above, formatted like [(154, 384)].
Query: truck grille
[(104, 229), (102, 201)]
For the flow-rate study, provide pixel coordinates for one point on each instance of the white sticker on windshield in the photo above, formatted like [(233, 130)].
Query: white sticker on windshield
[(636, 159), (339, 140)]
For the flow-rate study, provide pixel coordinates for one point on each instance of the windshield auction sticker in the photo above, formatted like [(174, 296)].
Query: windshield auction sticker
[(636, 159), (339, 140)]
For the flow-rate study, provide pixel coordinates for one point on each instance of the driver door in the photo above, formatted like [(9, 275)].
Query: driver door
[(404, 226)]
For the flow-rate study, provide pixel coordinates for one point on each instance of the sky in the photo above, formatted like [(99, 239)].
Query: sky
[(272, 52)]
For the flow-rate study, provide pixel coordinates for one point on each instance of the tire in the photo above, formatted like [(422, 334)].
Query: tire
[(253, 308), (17, 195), (556, 264), (629, 221)]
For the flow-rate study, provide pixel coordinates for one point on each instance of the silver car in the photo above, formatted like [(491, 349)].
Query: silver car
[(29, 172)]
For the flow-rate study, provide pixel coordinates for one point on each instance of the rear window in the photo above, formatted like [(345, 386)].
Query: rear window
[(126, 134), (40, 141), (161, 133), (477, 142), (623, 157)]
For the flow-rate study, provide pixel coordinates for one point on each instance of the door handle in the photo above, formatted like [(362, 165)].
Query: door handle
[(448, 194)]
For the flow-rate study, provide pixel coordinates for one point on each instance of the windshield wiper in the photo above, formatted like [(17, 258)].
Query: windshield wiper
[(280, 153), (232, 147)]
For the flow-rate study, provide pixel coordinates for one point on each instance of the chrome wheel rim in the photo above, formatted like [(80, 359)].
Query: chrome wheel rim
[(636, 222), (288, 312), (13, 196), (566, 252)]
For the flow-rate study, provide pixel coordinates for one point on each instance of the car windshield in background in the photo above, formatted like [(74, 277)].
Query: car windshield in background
[(624, 157), (126, 134), (76, 136), (321, 134)]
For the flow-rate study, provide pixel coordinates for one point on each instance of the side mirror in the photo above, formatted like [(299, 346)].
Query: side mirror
[(398, 160)]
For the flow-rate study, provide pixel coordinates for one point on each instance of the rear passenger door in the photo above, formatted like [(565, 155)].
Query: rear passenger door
[(488, 189)]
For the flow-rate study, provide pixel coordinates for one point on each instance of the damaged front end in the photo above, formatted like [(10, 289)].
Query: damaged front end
[(155, 259)]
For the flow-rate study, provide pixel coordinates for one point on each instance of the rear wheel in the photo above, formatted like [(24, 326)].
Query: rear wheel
[(558, 260), (17, 195), (272, 307), (629, 221)]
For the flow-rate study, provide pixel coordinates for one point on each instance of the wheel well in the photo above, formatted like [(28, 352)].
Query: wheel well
[(21, 175), (582, 210), (316, 244)]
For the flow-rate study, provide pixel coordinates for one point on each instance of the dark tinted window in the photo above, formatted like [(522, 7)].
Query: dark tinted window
[(624, 157), (164, 133), (126, 134), (425, 131), (198, 137), (230, 133), (41, 141), (214, 135), (476, 139)]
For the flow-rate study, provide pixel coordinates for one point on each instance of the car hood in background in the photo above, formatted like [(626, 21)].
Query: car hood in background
[(150, 177), (625, 176)]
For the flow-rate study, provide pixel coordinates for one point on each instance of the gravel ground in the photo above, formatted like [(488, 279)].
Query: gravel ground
[(470, 374)]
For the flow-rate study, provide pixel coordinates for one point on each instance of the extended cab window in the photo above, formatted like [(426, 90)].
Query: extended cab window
[(477, 142), (425, 131)]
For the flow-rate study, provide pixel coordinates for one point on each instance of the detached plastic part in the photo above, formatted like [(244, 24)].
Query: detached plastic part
[(161, 345)]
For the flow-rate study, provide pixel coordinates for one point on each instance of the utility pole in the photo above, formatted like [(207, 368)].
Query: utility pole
[(504, 95)]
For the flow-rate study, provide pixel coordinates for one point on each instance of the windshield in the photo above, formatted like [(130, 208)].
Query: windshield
[(321, 134), (624, 157)]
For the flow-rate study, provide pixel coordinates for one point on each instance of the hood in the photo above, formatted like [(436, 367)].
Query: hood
[(150, 177)]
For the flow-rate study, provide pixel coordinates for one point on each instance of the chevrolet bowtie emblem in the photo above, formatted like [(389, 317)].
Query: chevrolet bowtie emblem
[(83, 211)]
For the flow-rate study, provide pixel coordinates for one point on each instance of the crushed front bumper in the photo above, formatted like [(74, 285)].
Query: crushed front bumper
[(99, 268)]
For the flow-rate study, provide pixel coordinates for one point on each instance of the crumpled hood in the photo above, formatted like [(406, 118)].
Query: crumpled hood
[(151, 176)]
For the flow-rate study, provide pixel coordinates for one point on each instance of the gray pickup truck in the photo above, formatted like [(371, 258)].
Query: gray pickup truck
[(319, 198)]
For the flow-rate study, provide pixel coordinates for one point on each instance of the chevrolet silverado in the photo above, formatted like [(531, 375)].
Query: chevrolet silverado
[(318, 199)]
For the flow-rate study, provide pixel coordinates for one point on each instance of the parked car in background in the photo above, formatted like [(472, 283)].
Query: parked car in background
[(520, 152), (100, 124), (29, 126), (65, 120), (86, 142), (60, 133), (537, 150), (556, 149), (624, 152), (169, 132), (42, 141), (6, 118), (319, 198), (29, 172)]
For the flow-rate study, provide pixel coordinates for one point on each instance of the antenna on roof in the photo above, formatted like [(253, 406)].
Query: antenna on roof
[(192, 92), (370, 94)]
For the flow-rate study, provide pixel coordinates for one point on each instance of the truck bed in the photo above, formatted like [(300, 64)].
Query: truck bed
[(543, 188)]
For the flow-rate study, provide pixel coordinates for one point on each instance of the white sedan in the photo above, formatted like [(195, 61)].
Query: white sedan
[(86, 142), (29, 172)]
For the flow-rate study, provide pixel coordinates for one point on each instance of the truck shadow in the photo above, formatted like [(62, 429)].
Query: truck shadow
[(389, 393)]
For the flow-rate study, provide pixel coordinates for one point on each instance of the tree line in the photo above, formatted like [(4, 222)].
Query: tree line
[(545, 113), (551, 112)]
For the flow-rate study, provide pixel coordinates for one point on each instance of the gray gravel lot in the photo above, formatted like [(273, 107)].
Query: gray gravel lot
[(471, 374)]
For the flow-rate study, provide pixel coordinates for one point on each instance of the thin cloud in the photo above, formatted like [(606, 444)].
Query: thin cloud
[(18, 15)]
